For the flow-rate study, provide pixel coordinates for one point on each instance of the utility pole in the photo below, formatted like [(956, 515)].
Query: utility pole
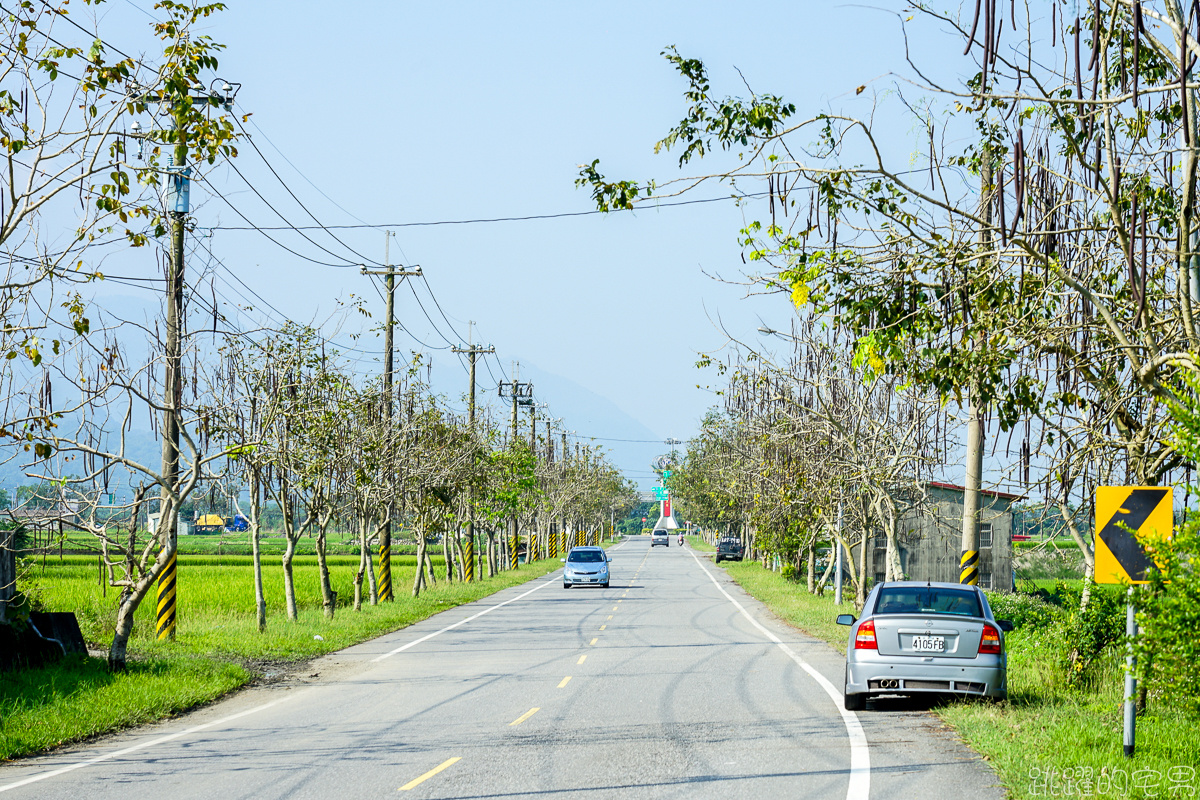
[(968, 564), (389, 272), (472, 351), (520, 394), (551, 526), (531, 553), (566, 519), (178, 207)]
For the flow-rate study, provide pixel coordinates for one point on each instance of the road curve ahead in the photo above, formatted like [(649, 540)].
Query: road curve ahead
[(670, 683)]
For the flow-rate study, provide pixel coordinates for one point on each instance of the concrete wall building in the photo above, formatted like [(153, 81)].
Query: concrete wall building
[(930, 539)]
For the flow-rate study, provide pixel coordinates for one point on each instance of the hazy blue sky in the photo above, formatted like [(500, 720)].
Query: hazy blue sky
[(407, 113)]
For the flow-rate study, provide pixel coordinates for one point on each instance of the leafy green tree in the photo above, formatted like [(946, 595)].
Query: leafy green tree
[(1040, 263), (509, 486), (1168, 618)]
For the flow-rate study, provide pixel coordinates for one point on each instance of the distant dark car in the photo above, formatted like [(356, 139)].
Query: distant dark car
[(730, 549)]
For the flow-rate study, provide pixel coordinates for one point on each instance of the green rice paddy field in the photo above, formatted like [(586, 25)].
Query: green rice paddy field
[(218, 647)]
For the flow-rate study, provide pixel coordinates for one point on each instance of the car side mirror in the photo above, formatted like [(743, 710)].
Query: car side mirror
[(845, 619), (1005, 624), (608, 558), (563, 560)]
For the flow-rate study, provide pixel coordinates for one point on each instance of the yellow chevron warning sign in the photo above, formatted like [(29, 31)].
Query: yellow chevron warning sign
[(1120, 512)]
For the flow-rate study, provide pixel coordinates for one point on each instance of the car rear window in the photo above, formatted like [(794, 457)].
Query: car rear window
[(586, 556), (927, 600)]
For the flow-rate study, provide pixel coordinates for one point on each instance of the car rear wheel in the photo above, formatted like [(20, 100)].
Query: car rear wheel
[(854, 702)]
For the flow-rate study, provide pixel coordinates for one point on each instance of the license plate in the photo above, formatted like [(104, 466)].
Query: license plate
[(929, 644)]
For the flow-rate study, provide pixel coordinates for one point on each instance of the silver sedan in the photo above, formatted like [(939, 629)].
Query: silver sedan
[(586, 566), (917, 637)]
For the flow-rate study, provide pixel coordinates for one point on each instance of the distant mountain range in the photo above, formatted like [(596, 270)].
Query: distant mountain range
[(591, 418)]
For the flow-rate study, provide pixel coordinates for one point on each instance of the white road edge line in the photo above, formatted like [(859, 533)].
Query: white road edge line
[(143, 745), (487, 610), (860, 755), (196, 728)]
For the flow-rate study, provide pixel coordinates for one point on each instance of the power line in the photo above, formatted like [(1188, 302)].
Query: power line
[(441, 311), (279, 214), (400, 324), (283, 318), (436, 330), (287, 188), (263, 231), (607, 439), (298, 172), (481, 220), (94, 35), (144, 11)]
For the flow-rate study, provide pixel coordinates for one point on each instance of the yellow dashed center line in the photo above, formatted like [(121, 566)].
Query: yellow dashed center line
[(524, 716), (595, 640), (609, 616), (602, 627), (564, 681), (581, 658), (413, 783)]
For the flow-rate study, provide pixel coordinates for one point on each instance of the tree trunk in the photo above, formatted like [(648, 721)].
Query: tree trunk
[(460, 557), (448, 555), (327, 602), (120, 645), (1089, 555), (257, 559), (260, 598), (820, 590), (429, 567), (860, 593), (491, 553), (812, 568), (419, 579), (894, 569), (289, 585), (371, 582), (364, 558)]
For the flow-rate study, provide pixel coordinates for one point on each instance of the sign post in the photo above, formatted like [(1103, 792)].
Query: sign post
[(1123, 514)]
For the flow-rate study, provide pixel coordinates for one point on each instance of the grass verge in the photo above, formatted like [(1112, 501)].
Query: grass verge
[(217, 649), (1050, 738), (79, 698)]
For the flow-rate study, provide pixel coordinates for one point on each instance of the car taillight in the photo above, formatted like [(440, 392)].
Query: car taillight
[(865, 638), (989, 643)]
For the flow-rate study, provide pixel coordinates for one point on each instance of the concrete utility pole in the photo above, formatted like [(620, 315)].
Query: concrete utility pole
[(531, 553), (521, 394), (472, 351), (551, 525), (390, 273), (172, 385), (566, 519), (178, 207), (837, 543), (968, 563)]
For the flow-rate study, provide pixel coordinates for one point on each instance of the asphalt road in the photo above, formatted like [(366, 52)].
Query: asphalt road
[(671, 683)]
